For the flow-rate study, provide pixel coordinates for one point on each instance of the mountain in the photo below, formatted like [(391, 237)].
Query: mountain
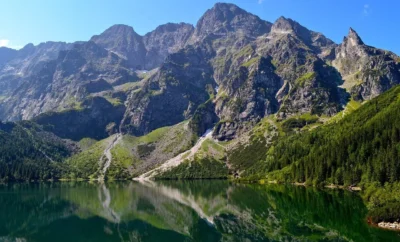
[(247, 67), (16, 69), (35, 154), (125, 42), (164, 40), (233, 97), (144, 52), (6, 54), (65, 82), (362, 149), (230, 77), (225, 19), (367, 71)]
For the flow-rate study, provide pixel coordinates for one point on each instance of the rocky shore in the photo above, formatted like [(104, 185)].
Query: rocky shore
[(387, 225)]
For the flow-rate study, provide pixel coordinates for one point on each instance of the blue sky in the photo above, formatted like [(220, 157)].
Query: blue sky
[(36, 21)]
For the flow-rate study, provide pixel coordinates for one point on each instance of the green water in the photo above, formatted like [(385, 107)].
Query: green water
[(181, 211)]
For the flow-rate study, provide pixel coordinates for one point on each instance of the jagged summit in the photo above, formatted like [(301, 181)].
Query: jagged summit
[(114, 34), (283, 24), (169, 27), (353, 37), (224, 18), (226, 6), (119, 28)]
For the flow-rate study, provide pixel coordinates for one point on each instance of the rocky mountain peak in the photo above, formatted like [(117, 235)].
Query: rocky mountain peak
[(283, 25), (117, 29), (164, 40), (353, 38), (125, 42), (286, 25), (314, 40), (171, 27), (224, 18), (6, 54)]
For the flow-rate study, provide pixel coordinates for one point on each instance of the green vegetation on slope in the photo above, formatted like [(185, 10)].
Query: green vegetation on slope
[(361, 149), (205, 168), (28, 153), (85, 165), (132, 155)]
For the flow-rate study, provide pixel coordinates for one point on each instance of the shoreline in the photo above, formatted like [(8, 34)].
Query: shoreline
[(390, 226)]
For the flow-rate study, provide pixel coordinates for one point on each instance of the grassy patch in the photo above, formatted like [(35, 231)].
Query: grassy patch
[(207, 168), (302, 81), (86, 143), (251, 62), (85, 165)]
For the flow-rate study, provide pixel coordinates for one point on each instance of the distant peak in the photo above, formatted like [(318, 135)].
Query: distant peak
[(169, 27), (282, 18), (354, 38), (28, 46), (226, 9), (224, 5), (283, 24), (121, 30), (120, 27)]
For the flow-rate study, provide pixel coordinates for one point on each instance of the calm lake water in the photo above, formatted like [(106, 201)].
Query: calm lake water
[(181, 211)]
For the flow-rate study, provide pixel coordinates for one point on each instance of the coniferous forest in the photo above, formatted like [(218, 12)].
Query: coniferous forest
[(28, 153)]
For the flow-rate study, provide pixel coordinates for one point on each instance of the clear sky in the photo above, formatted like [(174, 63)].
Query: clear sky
[(35, 21)]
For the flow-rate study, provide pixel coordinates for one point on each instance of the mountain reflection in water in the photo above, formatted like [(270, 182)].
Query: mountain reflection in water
[(181, 211)]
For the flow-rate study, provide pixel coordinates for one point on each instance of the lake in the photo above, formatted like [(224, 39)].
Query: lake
[(181, 211)]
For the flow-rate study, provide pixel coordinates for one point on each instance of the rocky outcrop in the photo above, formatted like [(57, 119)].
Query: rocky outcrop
[(173, 93), (314, 40), (164, 40), (88, 122), (144, 52), (204, 118), (6, 54), (125, 42), (248, 96), (65, 83), (310, 86), (387, 225), (223, 19), (367, 71), (18, 67)]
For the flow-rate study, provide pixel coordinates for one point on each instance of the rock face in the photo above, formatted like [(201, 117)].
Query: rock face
[(6, 54), (164, 40), (125, 42), (224, 19), (62, 83), (368, 71), (144, 52), (16, 68), (88, 122), (173, 93), (231, 70), (248, 96)]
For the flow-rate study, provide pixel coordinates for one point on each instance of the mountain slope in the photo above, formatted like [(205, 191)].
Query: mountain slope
[(362, 149), (66, 82), (125, 42), (6, 54), (29, 153), (367, 71), (234, 73)]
